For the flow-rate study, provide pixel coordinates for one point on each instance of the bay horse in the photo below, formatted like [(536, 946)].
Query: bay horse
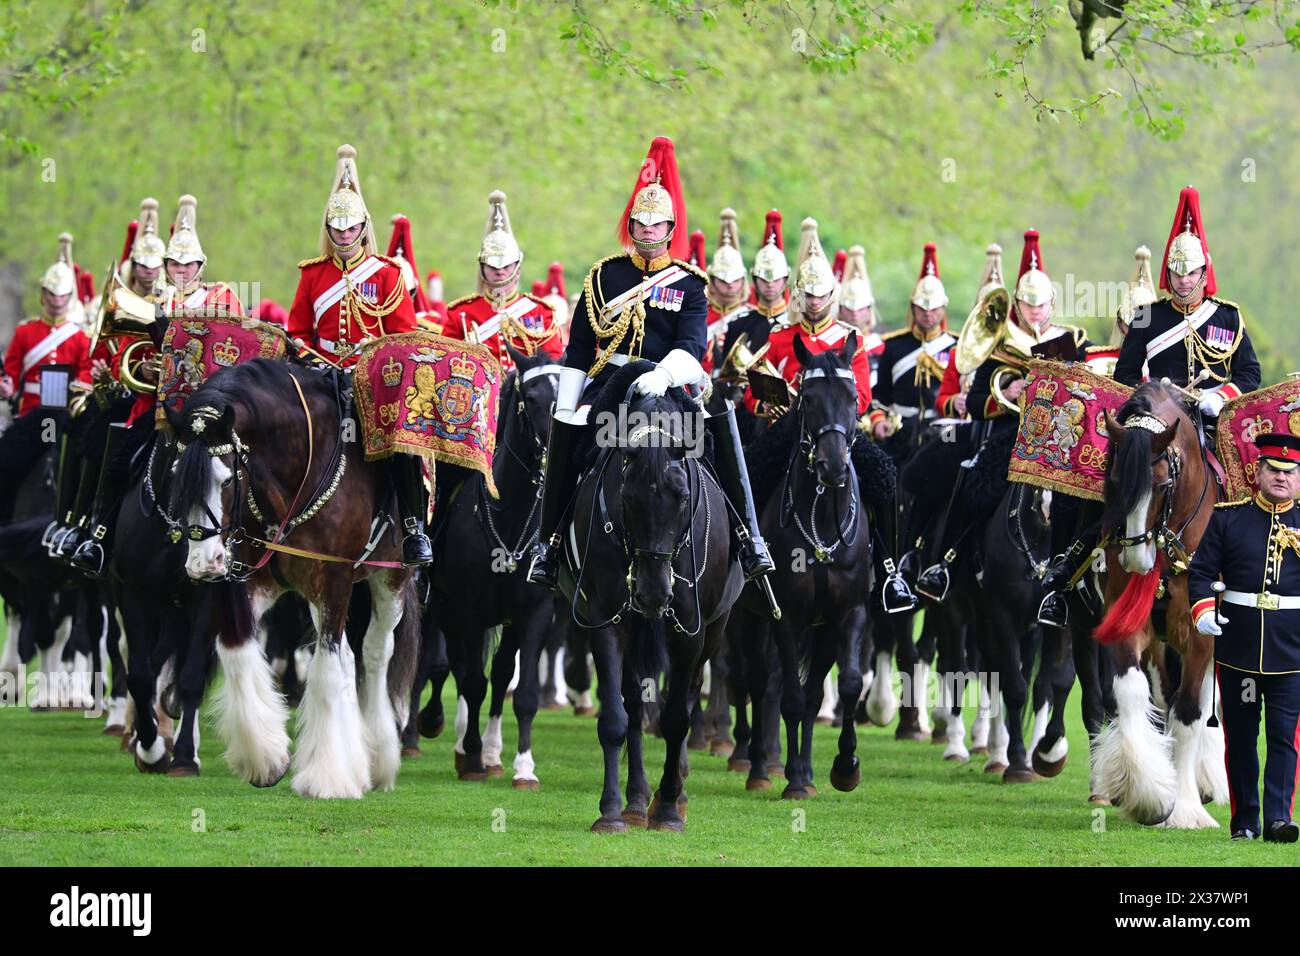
[(817, 515), (648, 550), (481, 579), (271, 448), (1159, 496)]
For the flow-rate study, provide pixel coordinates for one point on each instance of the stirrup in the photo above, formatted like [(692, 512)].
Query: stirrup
[(935, 580), (545, 567), (895, 594), (90, 558), (755, 561), (1053, 610)]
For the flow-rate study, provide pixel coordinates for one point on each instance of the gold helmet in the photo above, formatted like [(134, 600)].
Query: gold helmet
[(499, 248), (814, 275), (652, 204), (1141, 291), (148, 248), (727, 264), (770, 263), (60, 279), (1185, 252), (991, 277), (929, 292), (855, 287), (183, 247), (346, 208)]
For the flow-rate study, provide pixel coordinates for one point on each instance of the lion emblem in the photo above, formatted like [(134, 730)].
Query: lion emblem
[(421, 398)]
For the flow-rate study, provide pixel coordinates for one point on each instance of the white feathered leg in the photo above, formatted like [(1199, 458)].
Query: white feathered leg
[(1134, 769), (12, 672), (250, 715), (882, 702), (379, 722)]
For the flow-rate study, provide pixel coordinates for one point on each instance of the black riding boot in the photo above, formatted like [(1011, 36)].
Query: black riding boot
[(935, 580), (895, 593), (91, 556), (65, 493), (76, 518), (729, 460), (557, 487), (407, 474)]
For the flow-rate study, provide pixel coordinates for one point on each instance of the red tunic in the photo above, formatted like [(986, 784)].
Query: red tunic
[(209, 295), (781, 354), (719, 320), (532, 322), (31, 350), (318, 318)]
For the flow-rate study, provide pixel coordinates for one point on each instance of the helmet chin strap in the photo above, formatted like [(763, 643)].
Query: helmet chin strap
[(509, 280), (1191, 296), (644, 247)]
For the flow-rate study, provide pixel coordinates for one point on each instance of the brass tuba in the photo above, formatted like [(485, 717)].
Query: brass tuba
[(982, 330), (1004, 375), (125, 316)]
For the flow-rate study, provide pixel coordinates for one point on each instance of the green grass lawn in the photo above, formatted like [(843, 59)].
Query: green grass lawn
[(69, 797)]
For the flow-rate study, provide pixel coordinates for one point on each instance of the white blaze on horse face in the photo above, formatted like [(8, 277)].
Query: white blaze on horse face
[(1138, 558), (206, 559)]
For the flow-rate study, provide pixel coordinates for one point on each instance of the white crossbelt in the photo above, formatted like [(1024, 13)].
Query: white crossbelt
[(1170, 337), (515, 311), (933, 348), (616, 305), (1264, 601), (334, 293), (53, 339)]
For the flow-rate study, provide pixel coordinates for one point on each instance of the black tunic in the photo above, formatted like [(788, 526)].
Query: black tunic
[(1241, 368), (1238, 544), (755, 325), (899, 386), (677, 320)]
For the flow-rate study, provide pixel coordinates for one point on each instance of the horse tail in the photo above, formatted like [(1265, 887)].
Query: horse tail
[(1129, 614), (649, 651), (406, 653)]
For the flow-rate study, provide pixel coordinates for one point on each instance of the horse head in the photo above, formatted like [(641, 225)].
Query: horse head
[(533, 393), (828, 405), (655, 496), (202, 486), (1146, 455)]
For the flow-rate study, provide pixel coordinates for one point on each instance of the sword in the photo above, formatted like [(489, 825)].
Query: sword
[(1218, 587)]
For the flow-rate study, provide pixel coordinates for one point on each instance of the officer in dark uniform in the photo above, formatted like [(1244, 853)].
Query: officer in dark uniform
[(1254, 545), (640, 304)]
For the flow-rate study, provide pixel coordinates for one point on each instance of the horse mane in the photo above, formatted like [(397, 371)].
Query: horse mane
[(1128, 464), (674, 403)]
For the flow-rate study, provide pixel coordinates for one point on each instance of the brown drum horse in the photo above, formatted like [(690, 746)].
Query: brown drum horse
[(1159, 495)]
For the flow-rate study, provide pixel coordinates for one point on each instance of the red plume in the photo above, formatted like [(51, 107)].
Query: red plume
[(131, 230), (555, 280), (930, 261), (399, 244), (85, 284), (539, 288), (1189, 207), (1031, 257), (433, 287), (268, 310), (773, 227), (837, 267), (660, 163), (698, 257)]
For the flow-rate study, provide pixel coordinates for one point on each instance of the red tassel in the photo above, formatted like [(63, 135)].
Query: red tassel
[(1189, 206), (837, 267), (661, 163), (131, 230), (1130, 613)]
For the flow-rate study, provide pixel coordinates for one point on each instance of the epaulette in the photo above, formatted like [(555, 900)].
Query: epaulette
[(896, 333), (311, 262), (694, 270), (1233, 504), (539, 300), (461, 301), (389, 259), (1227, 302), (595, 266)]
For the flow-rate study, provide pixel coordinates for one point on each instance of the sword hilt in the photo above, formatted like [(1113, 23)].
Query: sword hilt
[(1218, 587)]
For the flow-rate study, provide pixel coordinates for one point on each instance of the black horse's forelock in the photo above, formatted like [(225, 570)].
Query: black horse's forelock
[(1128, 463)]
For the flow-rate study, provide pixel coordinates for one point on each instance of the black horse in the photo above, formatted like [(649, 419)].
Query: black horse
[(647, 549), (481, 578)]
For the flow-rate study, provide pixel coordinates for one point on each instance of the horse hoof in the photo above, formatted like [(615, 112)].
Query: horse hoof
[(1018, 775), (1047, 768), (431, 726), (1098, 799), (697, 745), (114, 730), (635, 818), (738, 764), (183, 770), (128, 743), (938, 736), (791, 792), (668, 826), (758, 783), (994, 767), (275, 778), (584, 712), (915, 734), (162, 766), (810, 789), (495, 770), (776, 770), (473, 776), (412, 751), (979, 751), (722, 748), (956, 758), (458, 759), (524, 784), (846, 782), (609, 825)]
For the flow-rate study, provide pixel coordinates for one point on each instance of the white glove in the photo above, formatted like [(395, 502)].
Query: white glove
[(677, 368), (568, 392), (1212, 403), (1207, 625)]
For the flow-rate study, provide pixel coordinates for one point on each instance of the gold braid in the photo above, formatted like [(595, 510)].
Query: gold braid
[(611, 334), (1198, 350), (353, 306)]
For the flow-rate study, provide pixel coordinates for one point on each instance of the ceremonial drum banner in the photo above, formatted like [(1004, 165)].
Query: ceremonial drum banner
[(195, 348), (1062, 440), (426, 395), (1271, 410)]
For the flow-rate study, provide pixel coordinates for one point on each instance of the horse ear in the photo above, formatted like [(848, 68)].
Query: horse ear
[(1164, 439), (800, 350), (179, 423), (519, 358), (1113, 428), (850, 347)]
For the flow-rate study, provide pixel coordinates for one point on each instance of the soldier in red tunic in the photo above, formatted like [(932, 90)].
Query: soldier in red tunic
[(52, 339), (728, 291), (499, 312), (350, 295)]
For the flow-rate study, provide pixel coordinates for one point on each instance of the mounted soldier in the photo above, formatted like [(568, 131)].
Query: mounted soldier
[(498, 313), (350, 295), (857, 309), (644, 303), (728, 292), (770, 297)]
